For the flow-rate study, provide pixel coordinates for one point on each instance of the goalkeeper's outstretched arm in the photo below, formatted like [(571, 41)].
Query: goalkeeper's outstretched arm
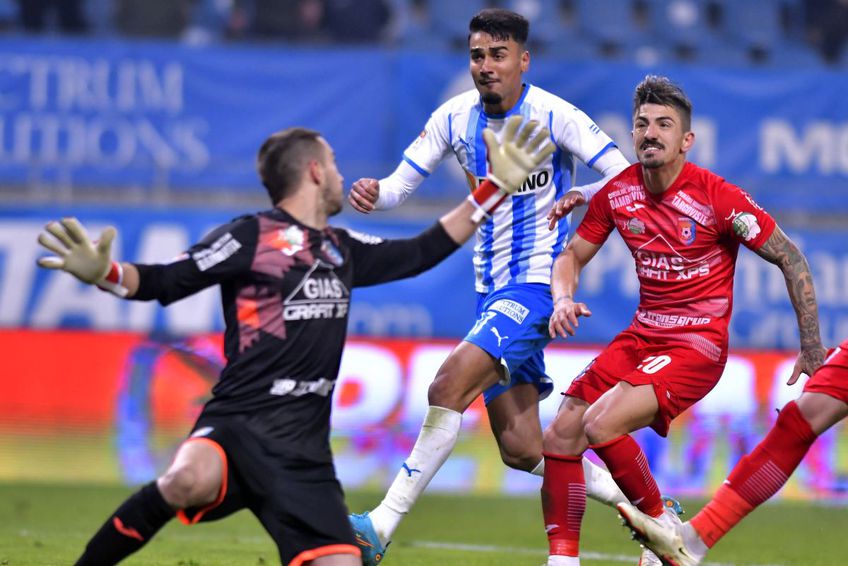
[(90, 262), (521, 149)]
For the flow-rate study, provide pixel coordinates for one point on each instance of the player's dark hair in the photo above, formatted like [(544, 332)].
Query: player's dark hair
[(500, 24), (655, 89), (283, 157)]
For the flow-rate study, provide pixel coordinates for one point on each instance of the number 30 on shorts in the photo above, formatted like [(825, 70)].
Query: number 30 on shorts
[(653, 364)]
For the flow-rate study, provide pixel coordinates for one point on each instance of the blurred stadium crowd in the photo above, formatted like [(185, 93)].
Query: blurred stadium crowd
[(730, 32)]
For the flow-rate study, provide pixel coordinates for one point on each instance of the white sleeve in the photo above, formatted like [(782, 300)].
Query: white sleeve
[(421, 157), (575, 132), (433, 143), (610, 164), (397, 187)]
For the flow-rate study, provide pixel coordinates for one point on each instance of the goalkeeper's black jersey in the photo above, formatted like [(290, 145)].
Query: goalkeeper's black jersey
[(285, 291)]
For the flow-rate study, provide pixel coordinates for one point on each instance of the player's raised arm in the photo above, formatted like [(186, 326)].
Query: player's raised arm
[(90, 262), (608, 165), (367, 195), (202, 266), (578, 134), (420, 158), (564, 279), (782, 252)]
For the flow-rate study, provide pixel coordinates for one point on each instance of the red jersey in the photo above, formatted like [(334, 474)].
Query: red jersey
[(685, 243)]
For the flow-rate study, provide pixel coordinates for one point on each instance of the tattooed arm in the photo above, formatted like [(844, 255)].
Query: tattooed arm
[(782, 252)]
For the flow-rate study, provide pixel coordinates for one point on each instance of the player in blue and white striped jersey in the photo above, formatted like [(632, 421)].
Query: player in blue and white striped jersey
[(514, 252), (516, 245)]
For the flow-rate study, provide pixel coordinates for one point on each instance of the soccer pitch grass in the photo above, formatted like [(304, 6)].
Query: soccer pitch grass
[(50, 524)]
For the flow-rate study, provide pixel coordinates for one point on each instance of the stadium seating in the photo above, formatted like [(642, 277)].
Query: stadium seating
[(450, 19), (755, 24), (768, 31), (8, 13), (720, 54), (98, 14), (546, 17), (685, 25), (729, 32), (610, 23), (208, 22), (572, 45), (794, 55)]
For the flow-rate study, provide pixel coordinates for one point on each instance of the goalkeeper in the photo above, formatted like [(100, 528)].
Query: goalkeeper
[(262, 441)]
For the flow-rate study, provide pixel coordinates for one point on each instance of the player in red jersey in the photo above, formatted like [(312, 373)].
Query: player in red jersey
[(758, 475), (683, 225)]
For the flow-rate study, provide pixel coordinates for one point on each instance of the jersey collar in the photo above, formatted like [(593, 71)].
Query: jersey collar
[(678, 183)]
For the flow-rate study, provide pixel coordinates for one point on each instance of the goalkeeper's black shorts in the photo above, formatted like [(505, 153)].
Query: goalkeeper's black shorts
[(300, 503)]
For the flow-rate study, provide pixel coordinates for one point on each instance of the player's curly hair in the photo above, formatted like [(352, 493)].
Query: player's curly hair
[(500, 24), (283, 157), (655, 89)]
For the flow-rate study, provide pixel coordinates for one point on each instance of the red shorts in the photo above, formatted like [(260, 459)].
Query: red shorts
[(680, 374), (832, 378)]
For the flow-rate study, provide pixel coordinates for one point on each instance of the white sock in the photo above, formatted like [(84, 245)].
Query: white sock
[(558, 560), (600, 486), (435, 443), (693, 542), (599, 483)]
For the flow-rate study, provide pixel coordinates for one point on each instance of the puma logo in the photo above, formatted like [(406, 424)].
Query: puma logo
[(126, 531), (362, 542), (410, 470), (498, 336)]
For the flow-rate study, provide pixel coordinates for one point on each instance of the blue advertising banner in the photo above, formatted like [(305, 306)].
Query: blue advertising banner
[(135, 114), (438, 303), (153, 115)]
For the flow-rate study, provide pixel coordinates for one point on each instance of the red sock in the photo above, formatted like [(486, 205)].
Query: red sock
[(629, 468), (563, 503), (721, 514), (757, 476)]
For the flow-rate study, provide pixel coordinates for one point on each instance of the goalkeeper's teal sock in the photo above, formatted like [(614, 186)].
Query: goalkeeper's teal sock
[(129, 528)]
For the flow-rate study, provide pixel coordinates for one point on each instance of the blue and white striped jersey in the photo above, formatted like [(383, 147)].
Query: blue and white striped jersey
[(515, 245)]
